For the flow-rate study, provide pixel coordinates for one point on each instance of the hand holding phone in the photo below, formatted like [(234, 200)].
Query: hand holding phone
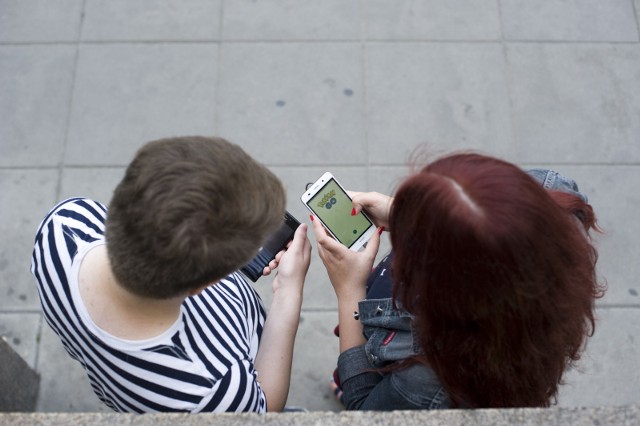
[(377, 206), (330, 203), (275, 243)]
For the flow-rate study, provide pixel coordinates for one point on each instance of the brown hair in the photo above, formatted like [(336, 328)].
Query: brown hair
[(189, 211), (499, 276)]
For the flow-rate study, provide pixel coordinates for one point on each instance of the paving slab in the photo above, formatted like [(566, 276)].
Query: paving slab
[(21, 331), (446, 96), (612, 191), (128, 94), (35, 82), (291, 20), (387, 179), (64, 386), (289, 104), (40, 21), (431, 20), (569, 20), (96, 183), (29, 193), (18, 381), (622, 416), (314, 359), (575, 103), (607, 374), (146, 20)]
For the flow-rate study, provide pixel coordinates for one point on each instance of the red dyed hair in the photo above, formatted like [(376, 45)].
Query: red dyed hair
[(500, 275)]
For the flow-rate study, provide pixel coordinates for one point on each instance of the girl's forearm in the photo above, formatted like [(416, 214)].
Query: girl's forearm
[(350, 327)]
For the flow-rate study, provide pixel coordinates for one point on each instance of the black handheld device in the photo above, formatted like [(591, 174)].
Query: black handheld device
[(276, 242)]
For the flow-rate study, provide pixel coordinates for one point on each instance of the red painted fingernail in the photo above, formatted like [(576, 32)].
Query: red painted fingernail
[(353, 211), (380, 230), (311, 216)]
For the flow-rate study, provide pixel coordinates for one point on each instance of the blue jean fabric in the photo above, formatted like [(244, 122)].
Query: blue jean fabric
[(389, 338), (554, 181)]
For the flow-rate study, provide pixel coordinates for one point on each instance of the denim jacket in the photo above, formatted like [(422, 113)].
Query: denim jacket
[(388, 331), (390, 338)]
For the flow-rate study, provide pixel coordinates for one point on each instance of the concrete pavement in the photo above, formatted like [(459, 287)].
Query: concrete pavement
[(349, 86)]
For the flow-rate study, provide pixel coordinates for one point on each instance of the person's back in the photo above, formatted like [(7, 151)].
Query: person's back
[(493, 289), (145, 296), (504, 288)]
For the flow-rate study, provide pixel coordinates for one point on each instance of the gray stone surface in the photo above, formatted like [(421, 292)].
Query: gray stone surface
[(353, 87), (97, 183), (569, 20), (607, 186), (608, 369), (21, 331), (314, 361), (619, 416), (151, 20), (19, 383), (35, 82), (575, 103), (431, 20), (64, 386), (289, 104), (126, 94), (291, 20), (24, 194), (40, 21), (443, 95)]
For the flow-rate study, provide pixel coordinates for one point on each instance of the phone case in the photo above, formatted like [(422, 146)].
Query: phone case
[(276, 242)]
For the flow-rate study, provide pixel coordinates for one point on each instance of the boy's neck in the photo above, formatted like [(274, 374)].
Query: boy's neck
[(118, 311)]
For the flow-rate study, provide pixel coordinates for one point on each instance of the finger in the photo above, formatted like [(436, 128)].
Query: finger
[(280, 254), (321, 238), (359, 201), (373, 245), (325, 241), (299, 236), (307, 244), (318, 229), (306, 250), (274, 263)]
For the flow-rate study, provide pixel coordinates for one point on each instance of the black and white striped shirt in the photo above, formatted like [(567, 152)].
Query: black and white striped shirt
[(203, 362)]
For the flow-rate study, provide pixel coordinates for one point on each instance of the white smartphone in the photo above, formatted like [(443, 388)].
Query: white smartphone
[(329, 202)]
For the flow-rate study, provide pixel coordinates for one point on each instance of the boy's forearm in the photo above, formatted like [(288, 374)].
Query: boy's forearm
[(275, 355)]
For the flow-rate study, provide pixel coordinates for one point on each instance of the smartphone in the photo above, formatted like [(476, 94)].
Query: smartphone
[(329, 202), (275, 242)]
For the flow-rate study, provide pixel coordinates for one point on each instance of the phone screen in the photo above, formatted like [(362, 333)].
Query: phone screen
[(333, 206)]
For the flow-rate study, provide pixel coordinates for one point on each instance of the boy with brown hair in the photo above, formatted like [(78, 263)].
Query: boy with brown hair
[(145, 295)]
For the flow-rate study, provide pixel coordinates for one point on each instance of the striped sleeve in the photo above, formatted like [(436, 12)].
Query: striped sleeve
[(227, 320), (70, 224)]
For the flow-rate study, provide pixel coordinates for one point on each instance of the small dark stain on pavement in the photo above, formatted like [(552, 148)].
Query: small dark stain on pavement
[(348, 92), (280, 103)]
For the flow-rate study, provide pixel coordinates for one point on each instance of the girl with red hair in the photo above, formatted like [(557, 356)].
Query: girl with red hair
[(486, 299)]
